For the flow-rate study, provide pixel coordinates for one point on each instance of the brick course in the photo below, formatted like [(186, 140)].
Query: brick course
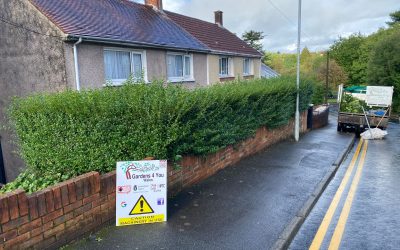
[(57, 215)]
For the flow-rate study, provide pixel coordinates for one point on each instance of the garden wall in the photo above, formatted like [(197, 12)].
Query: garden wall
[(59, 214)]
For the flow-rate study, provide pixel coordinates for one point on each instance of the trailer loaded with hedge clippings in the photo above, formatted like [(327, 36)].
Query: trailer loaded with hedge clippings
[(363, 107)]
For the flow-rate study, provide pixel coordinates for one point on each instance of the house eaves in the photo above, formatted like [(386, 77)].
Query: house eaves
[(113, 41)]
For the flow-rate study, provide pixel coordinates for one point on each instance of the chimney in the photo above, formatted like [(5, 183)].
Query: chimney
[(157, 4), (218, 18)]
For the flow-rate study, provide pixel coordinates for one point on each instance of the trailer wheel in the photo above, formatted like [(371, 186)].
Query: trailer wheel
[(358, 131), (339, 127)]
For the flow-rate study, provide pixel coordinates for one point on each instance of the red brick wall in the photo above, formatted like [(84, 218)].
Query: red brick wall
[(57, 215)]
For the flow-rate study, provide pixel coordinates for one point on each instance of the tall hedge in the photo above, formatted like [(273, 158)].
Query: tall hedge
[(66, 134)]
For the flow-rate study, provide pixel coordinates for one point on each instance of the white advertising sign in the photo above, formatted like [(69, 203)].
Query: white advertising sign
[(141, 192), (379, 96)]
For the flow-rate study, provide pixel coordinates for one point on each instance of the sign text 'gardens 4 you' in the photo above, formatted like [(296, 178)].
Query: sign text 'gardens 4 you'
[(141, 192)]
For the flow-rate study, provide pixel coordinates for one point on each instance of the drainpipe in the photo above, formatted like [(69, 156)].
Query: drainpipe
[(78, 84)]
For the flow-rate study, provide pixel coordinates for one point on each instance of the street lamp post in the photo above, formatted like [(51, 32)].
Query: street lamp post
[(297, 118)]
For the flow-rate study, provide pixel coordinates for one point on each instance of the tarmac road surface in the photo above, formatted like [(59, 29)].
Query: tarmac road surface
[(367, 213)]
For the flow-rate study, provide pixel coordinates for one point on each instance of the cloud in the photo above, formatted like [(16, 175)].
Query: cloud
[(322, 21)]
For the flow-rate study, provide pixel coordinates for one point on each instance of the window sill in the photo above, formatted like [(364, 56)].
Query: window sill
[(248, 76), (181, 80), (226, 76), (119, 84)]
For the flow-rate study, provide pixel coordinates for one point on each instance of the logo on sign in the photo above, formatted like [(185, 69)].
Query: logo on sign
[(160, 201), (124, 189), (135, 167), (123, 204)]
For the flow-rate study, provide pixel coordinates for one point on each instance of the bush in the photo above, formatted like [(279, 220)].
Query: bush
[(67, 134)]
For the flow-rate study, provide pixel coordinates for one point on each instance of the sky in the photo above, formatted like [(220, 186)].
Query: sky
[(323, 21)]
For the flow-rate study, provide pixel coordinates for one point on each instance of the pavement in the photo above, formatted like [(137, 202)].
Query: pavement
[(245, 206), (373, 216)]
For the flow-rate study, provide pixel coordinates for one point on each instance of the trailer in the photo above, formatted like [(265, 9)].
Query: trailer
[(379, 100)]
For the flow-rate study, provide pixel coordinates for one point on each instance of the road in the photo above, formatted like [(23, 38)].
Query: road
[(245, 206), (360, 207)]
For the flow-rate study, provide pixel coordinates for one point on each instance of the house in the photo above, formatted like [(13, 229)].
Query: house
[(48, 45)]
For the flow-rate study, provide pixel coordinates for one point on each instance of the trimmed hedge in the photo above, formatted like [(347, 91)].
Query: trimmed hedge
[(66, 134)]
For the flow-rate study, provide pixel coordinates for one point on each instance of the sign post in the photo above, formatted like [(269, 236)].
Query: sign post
[(141, 192)]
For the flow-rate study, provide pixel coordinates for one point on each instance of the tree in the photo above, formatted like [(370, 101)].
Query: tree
[(384, 65), (336, 75), (253, 38), (306, 60), (347, 53), (395, 16)]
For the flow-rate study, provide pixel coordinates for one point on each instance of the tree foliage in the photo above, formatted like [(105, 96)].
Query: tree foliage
[(395, 16), (371, 59), (312, 66), (384, 65), (347, 53), (254, 38), (336, 75)]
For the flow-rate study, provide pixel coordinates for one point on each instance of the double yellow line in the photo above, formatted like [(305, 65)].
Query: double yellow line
[(338, 233)]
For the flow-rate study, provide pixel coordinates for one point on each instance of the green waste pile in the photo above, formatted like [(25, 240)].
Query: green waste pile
[(351, 104)]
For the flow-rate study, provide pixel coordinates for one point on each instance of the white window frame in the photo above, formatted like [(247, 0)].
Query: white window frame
[(230, 67), (142, 53), (251, 67), (184, 78)]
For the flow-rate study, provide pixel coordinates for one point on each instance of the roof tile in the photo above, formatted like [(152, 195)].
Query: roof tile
[(121, 20), (215, 37), (127, 21)]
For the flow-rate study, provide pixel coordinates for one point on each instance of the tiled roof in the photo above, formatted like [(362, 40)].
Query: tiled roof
[(130, 22), (120, 20), (217, 38)]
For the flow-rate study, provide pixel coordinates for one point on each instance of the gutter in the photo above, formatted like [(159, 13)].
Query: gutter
[(129, 43), (157, 46), (77, 81), (226, 53)]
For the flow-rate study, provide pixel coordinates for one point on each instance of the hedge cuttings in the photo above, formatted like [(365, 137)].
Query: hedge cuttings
[(66, 134)]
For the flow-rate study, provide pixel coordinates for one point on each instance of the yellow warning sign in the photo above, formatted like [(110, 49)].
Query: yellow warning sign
[(141, 207), (141, 220)]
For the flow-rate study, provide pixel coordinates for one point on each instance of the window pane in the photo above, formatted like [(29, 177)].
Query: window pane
[(175, 65), (179, 66), (187, 66), (137, 66), (223, 66), (117, 64), (170, 65), (246, 66)]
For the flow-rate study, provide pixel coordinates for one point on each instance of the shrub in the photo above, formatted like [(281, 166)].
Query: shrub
[(66, 134)]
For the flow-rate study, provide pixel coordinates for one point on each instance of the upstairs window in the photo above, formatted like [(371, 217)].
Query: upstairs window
[(225, 67), (247, 66), (179, 67), (119, 65)]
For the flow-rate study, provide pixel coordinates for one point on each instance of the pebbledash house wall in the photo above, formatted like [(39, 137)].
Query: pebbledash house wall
[(237, 68), (30, 62), (60, 214), (92, 72)]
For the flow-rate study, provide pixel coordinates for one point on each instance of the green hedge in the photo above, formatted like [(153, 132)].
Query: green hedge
[(67, 134)]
